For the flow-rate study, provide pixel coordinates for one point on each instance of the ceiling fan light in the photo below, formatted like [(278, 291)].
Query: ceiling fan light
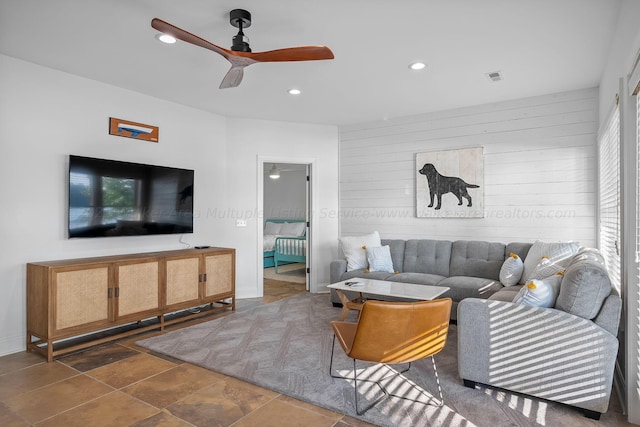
[(274, 173), (417, 65), (166, 38)]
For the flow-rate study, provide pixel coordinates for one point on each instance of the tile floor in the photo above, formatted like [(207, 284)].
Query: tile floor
[(120, 384)]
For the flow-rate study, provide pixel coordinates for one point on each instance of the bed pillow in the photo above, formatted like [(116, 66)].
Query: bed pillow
[(272, 228), (379, 258), (511, 270), (354, 249), (293, 229), (558, 253)]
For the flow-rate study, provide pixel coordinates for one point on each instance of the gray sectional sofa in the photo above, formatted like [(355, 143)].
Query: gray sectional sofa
[(471, 269), (565, 353)]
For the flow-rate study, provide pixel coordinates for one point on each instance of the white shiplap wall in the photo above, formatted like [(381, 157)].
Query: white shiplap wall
[(539, 166)]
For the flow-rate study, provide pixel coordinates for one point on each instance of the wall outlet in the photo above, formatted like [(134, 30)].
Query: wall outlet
[(241, 222)]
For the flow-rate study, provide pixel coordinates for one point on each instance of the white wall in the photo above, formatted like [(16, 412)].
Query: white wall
[(45, 115), (622, 54), (252, 142), (539, 165), (285, 197)]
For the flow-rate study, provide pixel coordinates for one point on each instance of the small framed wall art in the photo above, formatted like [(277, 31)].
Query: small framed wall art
[(450, 184), (128, 129)]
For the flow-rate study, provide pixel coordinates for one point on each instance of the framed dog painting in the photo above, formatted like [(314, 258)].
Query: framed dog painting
[(450, 184)]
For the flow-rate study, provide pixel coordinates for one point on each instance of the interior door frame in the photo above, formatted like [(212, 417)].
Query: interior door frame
[(311, 193)]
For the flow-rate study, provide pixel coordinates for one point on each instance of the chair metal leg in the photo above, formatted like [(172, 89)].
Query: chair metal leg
[(331, 360), (435, 371), (384, 390), (375, 402)]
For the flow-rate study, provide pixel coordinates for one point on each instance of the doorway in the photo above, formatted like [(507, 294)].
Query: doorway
[(285, 231)]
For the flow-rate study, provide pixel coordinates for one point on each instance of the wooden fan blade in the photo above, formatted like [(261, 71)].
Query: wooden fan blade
[(301, 53), (240, 60), (185, 36), (233, 77)]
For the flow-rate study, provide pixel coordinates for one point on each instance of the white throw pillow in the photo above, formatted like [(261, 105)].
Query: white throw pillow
[(546, 268), (272, 228), (379, 258), (559, 253), (555, 281), (538, 293), (511, 270), (294, 229), (354, 249)]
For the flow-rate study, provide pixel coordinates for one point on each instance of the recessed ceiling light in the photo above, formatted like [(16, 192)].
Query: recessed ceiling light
[(295, 91), (166, 38), (417, 65)]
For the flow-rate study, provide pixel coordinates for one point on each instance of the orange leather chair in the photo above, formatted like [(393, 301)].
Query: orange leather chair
[(393, 333)]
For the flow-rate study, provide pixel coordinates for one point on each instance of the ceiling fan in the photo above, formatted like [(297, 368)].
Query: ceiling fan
[(240, 55)]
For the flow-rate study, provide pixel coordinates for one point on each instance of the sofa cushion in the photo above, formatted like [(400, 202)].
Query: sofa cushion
[(427, 256), (354, 250), (469, 287), (477, 259), (397, 252), (416, 278), (559, 253), (376, 275), (508, 293), (519, 248), (584, 288), (379, 259)]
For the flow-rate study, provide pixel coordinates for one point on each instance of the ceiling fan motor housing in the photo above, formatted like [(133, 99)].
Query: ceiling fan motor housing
[(240, 19)]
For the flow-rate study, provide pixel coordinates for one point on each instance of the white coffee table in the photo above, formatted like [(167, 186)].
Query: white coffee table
[(382, 288)]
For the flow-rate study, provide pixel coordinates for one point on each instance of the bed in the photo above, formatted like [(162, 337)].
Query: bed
[(285, 242)]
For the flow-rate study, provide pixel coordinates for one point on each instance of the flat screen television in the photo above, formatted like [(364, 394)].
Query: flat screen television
[(114, 198)]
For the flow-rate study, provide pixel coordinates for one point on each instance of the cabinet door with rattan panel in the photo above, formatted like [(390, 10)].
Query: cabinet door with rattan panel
[(80, 299), (137, 289), (182, 282), (220, 274)]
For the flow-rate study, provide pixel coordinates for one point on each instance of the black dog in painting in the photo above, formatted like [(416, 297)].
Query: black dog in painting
[(440, 184)]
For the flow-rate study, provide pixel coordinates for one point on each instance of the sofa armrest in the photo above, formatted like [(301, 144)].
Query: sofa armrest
[(338, 268), (542, 352), (609, 316)]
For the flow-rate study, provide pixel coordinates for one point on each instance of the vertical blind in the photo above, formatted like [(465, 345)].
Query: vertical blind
[(638, 230), (609, 206)]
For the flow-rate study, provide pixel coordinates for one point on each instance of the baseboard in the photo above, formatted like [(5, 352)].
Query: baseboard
[(13, 344)]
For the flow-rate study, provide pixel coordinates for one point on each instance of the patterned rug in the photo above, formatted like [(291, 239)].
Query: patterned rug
[(285, 346)]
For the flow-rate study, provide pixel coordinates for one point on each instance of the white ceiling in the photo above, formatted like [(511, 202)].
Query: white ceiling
[(540, 46)]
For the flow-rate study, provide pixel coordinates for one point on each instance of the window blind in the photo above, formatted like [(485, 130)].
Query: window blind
[(638, 232), (609, 195)]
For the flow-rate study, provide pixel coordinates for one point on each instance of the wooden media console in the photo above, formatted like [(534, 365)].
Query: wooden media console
[(67, 299)]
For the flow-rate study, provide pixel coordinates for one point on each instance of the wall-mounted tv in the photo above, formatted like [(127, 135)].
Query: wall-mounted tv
[(114, 198)]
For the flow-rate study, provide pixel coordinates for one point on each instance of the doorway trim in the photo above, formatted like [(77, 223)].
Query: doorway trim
[(312, 201)]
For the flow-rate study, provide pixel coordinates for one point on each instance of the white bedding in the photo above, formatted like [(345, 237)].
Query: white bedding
[(277, 229), (269, 242)]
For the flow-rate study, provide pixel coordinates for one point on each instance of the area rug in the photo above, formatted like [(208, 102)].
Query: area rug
[(287, 273), (285, 346)]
